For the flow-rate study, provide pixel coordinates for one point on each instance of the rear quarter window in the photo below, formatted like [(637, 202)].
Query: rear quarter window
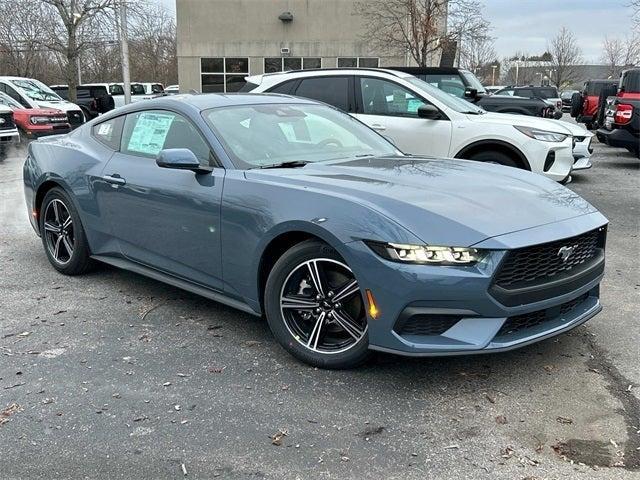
[(108, 133)]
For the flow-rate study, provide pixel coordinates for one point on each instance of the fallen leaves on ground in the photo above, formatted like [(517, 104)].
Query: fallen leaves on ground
[(7, 412), (276, 438)]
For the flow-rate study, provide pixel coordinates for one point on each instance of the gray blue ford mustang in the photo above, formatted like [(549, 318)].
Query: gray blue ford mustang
[(288, 208)]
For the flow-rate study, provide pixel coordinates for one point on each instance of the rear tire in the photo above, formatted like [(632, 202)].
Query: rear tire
[(576, 104), (314, 333), (63, 237), (492, 156)]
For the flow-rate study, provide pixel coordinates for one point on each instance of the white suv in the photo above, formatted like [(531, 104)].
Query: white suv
[(420, 119)]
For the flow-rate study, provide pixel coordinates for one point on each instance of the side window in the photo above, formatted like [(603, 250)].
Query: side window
[(16, 96), (381, 97), (505, 92), (147, 133), (108, 133), (331, 90), (284, 87), (116, 90), (525, 92)]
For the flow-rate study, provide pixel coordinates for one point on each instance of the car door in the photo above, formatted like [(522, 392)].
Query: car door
[(165, 218), (392, 110)]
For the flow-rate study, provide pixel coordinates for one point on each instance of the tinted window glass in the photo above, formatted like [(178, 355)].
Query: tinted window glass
[(381, 97), (347, 62), (311, 62), (547, 93), (116, 90), (505, 92), (212, 83), (248, 86), (450, 83), (369, 62), (292, 64), (273, 64), (630, 81), (137, 89), (331, 90), (212, 65), (147, 133), (524, 92), (108, 133), (284, 88)]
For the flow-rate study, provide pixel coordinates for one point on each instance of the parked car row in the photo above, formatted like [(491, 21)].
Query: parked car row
[(33, 109), (422, 119), (621, 125)]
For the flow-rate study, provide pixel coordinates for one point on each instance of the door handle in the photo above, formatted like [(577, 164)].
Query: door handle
[(377, 126), (114, 179)]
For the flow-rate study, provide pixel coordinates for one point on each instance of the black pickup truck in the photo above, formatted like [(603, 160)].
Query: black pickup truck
[(622, 125), (92, 99), (464, 84)]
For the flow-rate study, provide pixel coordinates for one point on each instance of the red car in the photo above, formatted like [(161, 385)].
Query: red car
[(584, 106), (36, 122)]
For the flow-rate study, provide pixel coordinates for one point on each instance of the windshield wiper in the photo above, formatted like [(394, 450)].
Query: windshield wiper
[(291, 164)]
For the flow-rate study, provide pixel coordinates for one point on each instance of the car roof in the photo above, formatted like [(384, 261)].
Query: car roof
[(321, 72), (206, 101), (429, 70)]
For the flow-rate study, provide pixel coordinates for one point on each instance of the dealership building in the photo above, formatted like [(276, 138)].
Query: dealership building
[(222, 41)]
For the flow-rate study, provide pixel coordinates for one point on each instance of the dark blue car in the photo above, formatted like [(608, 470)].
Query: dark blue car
[(288, 208)]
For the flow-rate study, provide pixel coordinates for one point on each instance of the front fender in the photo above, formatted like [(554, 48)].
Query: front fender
[(254, 213)]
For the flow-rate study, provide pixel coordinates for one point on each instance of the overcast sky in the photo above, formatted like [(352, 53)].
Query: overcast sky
[(527, 25)]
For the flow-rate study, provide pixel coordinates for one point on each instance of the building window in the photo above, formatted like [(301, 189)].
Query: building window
[(284, 64), (223, 74), (363, 62)]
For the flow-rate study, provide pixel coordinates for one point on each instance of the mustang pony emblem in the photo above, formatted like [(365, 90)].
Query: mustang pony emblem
[(565, 252)]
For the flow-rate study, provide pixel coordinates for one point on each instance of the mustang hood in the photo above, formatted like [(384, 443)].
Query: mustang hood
[(452, 202)]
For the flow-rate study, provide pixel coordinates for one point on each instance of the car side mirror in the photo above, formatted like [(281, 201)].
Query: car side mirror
[(180, 159), (470, 93), (429, 112)]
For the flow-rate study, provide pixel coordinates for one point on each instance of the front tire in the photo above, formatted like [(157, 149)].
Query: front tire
[(498, 158), (62, 234), (315, 309)]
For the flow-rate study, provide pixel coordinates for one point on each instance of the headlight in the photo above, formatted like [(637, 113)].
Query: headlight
[(429, 254), (542, 135), (39, 120)]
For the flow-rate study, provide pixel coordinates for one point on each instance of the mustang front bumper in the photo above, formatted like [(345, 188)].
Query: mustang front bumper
[(436, 310)]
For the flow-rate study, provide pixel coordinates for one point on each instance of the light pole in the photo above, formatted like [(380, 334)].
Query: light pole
[(124, 50), (493, 75)]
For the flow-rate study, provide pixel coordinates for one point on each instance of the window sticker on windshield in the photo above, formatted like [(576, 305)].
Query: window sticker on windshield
[(150, 132)]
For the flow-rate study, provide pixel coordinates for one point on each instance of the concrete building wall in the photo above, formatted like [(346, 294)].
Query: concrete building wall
[(326, 29)]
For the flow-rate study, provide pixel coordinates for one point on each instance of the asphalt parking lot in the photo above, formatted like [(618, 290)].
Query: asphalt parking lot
[(112, 375)]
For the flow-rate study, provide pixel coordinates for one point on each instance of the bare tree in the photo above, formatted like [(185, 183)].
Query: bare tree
[(467, 26), (618, 53), (398, 26), (565, 56), (635, 7), (20, 35), (477, 52), (153, 47), (71, 26)]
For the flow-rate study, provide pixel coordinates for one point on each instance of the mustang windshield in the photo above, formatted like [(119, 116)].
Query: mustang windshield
[(271, 134)]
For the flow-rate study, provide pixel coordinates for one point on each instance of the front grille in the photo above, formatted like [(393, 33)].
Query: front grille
[(6, 121), (428, 324), (529, 320), (541, 263), (75, 117)]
